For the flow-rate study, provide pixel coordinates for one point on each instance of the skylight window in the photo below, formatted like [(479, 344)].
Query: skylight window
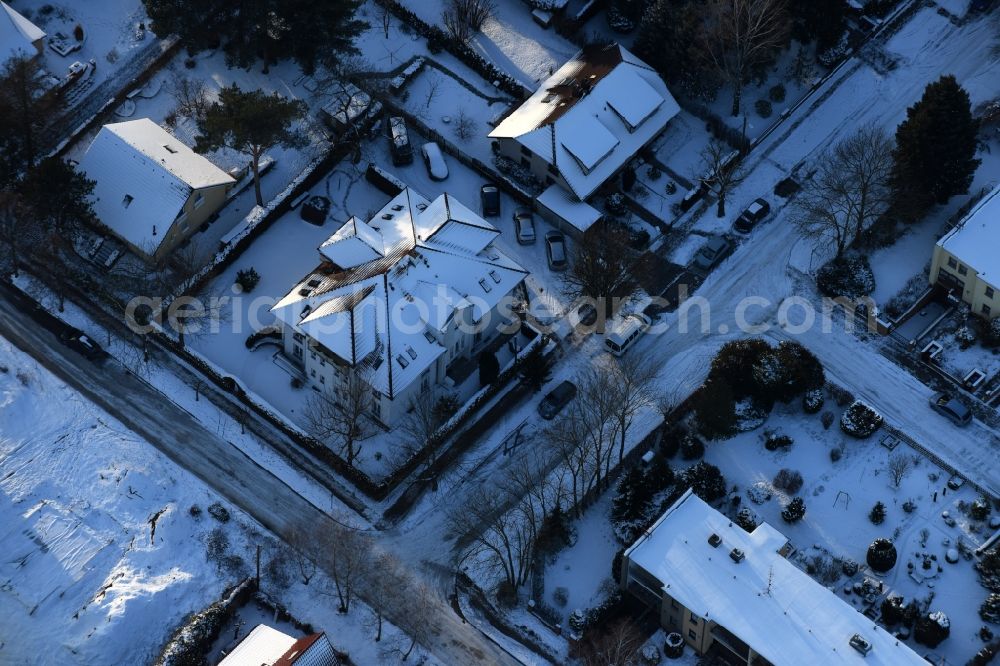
[(397, 207), (495, 276), (411, 352), (485, 285), (314, 282), (170, 149), (402, 361), (429, 337), (127, 201)]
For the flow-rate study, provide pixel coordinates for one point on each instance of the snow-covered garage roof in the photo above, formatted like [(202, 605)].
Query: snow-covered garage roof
[(974, 240), (592, 115), (578, 213), (385, 308), (764, 600), (143, 177), (17, 34)]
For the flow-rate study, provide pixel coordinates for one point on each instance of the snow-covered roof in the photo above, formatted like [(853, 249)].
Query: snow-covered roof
[(263, 645), (578, 213), (592, 115), (17, 34), (764, 600), (384, 308), (143, 177), (974, 240)]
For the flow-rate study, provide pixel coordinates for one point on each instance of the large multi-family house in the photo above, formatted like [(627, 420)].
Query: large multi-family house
[(582, 126), (399, 299), (151, 190), (965, 260), (734, 593), (19, 37)]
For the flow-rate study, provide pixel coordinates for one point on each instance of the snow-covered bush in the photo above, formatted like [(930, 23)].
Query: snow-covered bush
[(759, 492), (789, 480), (794, 511), (965, 337), (615, 203), (931, 629), (989, 611), (746, 519), (881, 556), (827, 420), (774, 440), (763, 108), (692, 448), (650, 656), (988, 567), (979, 509), (653, 172), (219, 512), (750, 415), (851, 277), (560, 596), (892, 610), (877, 514), (706, 480), (577, 621), (860, 420), (812, 401), (777, 94)]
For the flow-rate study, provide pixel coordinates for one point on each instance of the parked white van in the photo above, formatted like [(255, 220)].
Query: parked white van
[(625, 332)]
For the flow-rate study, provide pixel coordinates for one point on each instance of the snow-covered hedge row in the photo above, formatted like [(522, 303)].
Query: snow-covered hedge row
[(192, 641)]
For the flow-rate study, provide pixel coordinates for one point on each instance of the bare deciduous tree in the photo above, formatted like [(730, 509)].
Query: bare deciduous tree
[(379, 588), (191, 96), (898, 467), (303, 549), (739, 36), (418, 604), (346, 556), (462, 18), (614, 646), (631, 380), (850, 189), (724, 172), (465, 125), (384, 16), (16, 229), (601, 270), (339, 416)]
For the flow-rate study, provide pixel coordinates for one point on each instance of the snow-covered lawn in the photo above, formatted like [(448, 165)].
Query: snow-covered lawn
[(680, 147), (83, 572)]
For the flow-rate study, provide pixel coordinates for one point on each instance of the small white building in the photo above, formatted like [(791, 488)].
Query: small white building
[(585, 123), (151, 190), (19, 37), (730, 591), (400, 299), (266, 646)]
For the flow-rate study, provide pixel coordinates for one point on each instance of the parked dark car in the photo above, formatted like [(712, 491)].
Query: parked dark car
[(556, 400), (399, 142), (711, 253), (950, 407), (489, 197), (752, 216), (314, 210), (78, 341), (555, 250), (587, 314)]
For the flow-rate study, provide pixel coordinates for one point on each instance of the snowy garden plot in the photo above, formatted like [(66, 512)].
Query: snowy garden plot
[(84, 573), (110, 29), (838, 497), (510, 39)]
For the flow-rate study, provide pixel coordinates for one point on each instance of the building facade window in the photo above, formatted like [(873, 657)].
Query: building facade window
[(989, 292), (693, 619), (297, 352), (986, 310), (952, 263), (693, 636), (962, 270)]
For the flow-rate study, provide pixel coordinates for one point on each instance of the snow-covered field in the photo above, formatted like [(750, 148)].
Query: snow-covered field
[(101, 558)]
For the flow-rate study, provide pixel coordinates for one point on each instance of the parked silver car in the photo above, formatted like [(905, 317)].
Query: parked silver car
[(555, 250), (524, 226), (434, 160), (711, 253)]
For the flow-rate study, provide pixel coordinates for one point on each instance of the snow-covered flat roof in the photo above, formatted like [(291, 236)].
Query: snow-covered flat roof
[(975, 240), (17, 34), (764, 600), (143, 176), (592, 115), (578, 213)]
